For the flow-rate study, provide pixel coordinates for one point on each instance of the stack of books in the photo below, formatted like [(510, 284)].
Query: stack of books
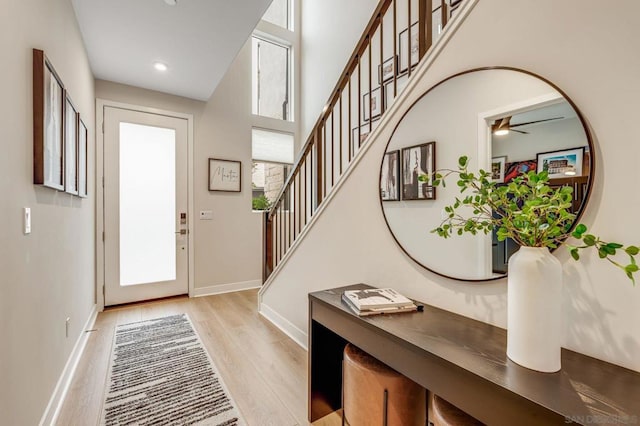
[(376, 301)]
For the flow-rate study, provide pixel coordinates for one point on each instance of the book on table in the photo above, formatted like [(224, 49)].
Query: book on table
[(377, 301)]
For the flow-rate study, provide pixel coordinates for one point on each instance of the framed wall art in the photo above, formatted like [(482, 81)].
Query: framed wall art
[(387, 70), (563, 163), (406, 50), (390, 177), (359, 137), (418, 165), (225, 175), (48, 124), (70, 147), (372, 109), (497, 169), (83, 152)]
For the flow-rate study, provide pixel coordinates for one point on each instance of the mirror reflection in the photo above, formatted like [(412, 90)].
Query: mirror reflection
[(506, 121)]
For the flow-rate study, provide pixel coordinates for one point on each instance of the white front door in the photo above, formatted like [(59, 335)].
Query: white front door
[(145, 206)]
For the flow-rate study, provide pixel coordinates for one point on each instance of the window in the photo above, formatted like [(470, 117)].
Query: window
[(270, 75), (272, 154), (278, 14)]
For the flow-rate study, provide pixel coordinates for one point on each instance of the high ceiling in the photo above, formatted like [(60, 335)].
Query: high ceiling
[(196, 39)]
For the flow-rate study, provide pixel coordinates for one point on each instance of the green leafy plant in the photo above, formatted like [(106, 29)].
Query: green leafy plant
[(526, 210), (261, 203)]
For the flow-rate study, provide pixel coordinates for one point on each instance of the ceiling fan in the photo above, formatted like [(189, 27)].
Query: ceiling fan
[(502, 126)]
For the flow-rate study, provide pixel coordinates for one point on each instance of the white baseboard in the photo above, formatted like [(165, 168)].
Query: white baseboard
[(60, 392), (297, 335), (226, 288)]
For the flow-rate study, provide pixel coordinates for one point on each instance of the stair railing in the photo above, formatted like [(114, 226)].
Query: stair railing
[(396, 38)]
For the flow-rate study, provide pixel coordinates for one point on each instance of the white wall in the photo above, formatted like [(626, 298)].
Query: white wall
[(350, 242), (48, 275), (329, 32), (228, 249)]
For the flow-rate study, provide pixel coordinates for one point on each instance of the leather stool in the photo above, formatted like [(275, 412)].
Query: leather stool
[(375, 394), (446, 414)]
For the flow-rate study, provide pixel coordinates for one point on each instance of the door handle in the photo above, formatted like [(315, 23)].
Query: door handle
[(182, 232)]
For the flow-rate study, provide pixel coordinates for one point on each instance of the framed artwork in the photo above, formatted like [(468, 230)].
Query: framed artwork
[(358, 138), (418, 166), (389, 95), (387, 70), (436, 20), (48, 124), (70, 147), (497, 169), (406, 50), (83, 153), (390, 177), (375, 105), (518, 168), (564, 163), (225, 175)]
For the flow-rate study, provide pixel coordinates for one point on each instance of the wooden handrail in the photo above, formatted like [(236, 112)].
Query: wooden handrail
[(317, 159)]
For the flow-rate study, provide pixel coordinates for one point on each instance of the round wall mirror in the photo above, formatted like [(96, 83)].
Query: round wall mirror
[(506, 120)]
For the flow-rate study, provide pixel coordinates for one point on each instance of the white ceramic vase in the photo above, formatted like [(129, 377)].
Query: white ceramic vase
[(534, 297)]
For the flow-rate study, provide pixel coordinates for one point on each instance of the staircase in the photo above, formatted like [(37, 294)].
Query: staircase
[(378, 70)]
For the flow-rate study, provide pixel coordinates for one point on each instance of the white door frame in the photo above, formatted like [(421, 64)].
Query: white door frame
[(100, 105)]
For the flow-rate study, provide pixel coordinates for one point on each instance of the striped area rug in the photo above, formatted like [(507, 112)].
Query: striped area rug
[(160, 374)]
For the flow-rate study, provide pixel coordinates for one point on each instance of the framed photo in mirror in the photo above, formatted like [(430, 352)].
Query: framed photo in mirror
[(517, 168), (390, 176), (560, 164), (418, 165), (497, 169)]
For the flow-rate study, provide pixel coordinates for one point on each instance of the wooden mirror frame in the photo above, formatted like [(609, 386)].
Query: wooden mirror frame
[(591, 170)]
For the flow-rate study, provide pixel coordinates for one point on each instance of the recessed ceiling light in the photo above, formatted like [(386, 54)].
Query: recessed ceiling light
[(160, 66), (171, 2)]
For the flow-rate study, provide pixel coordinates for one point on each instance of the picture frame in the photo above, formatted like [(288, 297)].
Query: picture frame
[(497, 168), (517, 168), (365, 129), (418, 161), (390, 177), (376, 104), (436, 20), (71, 118), (83, 159), (389, 96), (225, 175), (388, 69), (48, 124), (562, 163), (403, 39)]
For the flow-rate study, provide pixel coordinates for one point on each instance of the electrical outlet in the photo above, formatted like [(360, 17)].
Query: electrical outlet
[(66, 326)]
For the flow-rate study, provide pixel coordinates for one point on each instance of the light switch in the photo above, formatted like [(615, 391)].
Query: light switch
[(206, 215), (27, 220)]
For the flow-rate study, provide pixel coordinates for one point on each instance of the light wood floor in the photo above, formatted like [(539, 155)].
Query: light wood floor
[(265, 371)]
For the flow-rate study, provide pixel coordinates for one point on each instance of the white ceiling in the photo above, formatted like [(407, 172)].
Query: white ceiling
[(196, 39)]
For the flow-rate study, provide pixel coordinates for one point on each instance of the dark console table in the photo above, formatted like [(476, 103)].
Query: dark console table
[(464, 361)]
